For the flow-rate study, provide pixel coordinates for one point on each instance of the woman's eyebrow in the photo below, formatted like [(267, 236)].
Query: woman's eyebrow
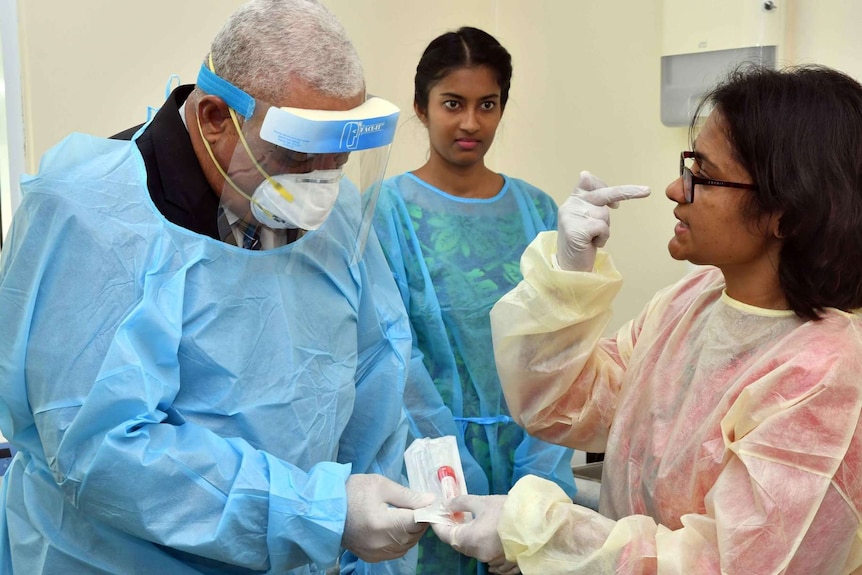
[(703, 159), (455, 96)]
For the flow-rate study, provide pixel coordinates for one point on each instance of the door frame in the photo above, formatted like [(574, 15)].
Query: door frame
[(12, 142)]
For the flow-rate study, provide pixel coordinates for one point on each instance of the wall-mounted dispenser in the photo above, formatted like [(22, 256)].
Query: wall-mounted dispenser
[(704, 39)]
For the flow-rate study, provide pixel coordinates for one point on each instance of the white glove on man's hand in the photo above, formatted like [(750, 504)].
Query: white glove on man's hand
[(478, 538), (373, 530), (583, 221)]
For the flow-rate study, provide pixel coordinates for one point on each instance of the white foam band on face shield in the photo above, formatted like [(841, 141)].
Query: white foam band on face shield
[(370, 125)]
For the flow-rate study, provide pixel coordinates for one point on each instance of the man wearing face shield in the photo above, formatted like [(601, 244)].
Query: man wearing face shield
[(197, 372), (284, 175)]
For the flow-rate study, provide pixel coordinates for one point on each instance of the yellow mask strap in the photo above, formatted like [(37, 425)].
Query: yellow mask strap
[(277, 186), (217, 165), (221, 171)]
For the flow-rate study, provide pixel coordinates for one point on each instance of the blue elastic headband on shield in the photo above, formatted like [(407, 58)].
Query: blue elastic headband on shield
[(212, 83), (370, 125)]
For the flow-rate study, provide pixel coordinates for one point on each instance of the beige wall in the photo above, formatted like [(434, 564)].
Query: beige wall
[(585, 92), (95, 65)]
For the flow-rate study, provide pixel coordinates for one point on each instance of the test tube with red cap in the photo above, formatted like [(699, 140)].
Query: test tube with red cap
[(449, 487), (448, 482)]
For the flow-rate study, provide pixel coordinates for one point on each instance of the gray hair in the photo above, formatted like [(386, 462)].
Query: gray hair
[(266, 44)]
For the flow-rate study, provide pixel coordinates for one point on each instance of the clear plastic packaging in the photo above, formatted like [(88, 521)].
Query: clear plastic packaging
[(434, 466)]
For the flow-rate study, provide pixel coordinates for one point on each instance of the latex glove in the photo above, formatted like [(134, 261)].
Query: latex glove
[(583, 221), (478, 538), (504, 568), (379, 524)]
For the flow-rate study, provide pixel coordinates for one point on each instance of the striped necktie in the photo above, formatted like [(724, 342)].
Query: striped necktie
[(250, 233)]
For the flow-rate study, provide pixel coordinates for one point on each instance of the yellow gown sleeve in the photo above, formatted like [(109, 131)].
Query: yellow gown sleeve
[(560, 382)]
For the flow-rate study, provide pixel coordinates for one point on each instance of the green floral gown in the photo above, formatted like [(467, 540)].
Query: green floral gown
[(452, 259)]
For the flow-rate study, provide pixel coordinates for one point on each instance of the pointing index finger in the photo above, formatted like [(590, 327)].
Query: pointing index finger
[(614, 194)]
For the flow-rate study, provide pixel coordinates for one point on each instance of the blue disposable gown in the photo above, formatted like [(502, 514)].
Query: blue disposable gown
[(452, 259), (181, 405)]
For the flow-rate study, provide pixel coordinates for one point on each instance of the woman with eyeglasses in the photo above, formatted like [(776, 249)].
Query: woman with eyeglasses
[(730, 407)]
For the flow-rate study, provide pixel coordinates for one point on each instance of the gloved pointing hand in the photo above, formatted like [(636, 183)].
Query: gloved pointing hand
[(373, 530), (478, 538), (583, 221)]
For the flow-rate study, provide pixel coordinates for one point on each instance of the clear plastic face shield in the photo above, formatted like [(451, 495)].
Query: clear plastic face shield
[(292, 168)]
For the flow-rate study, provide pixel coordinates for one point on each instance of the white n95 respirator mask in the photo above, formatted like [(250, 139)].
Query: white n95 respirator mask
[(313, 196)]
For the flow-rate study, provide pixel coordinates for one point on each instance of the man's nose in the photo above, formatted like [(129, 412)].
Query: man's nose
[(331, 161)]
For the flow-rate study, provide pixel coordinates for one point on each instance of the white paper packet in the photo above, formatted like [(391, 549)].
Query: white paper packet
[(434, 466)]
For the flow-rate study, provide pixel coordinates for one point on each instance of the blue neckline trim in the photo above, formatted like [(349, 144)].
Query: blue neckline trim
[(455, 198)]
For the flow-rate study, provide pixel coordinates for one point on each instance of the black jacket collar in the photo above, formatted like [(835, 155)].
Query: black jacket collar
[(174, 177)]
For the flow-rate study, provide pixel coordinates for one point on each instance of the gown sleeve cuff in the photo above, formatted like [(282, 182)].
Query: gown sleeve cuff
[(544, 532), (578, 294), (306, 514)]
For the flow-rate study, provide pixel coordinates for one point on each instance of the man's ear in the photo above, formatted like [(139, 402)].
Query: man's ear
[(214, 116), (214, 144)]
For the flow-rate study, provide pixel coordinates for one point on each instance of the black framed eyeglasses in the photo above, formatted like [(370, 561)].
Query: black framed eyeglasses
[(689, 180)]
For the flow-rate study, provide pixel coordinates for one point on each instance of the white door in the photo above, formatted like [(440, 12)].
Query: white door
[(11, 116)]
